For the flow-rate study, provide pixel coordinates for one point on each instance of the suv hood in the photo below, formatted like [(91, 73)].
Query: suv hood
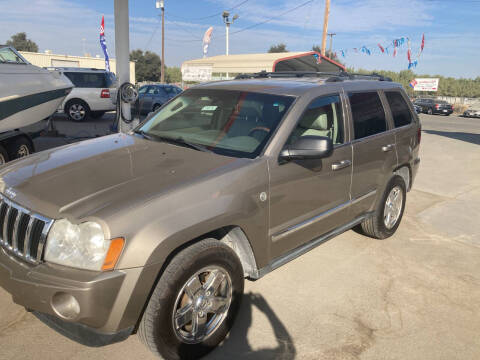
[(81, 179)]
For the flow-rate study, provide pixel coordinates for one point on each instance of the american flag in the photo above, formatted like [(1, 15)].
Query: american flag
[(103, 44)]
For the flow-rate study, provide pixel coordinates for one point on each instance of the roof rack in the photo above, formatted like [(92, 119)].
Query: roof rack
[(331, 76)]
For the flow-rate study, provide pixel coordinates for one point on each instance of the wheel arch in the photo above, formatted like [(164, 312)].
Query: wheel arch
[(233, 236), (76, 99), (405, 172)]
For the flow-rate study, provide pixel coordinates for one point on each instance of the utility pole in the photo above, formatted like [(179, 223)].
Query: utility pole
[(325, 26), (160, 4), (226, 20), (331, 40)]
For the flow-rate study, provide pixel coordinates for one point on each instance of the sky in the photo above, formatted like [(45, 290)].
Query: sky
[(451, 28)]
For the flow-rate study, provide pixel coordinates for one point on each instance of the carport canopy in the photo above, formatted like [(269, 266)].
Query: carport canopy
[(202, 69)]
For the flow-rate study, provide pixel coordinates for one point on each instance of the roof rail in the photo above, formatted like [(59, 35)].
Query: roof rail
[(331, 76)]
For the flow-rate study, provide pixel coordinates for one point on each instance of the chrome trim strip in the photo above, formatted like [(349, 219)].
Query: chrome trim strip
[(27, 241), (293, 254), (15, 231), (5, 227), (43, 238), (291, 229)]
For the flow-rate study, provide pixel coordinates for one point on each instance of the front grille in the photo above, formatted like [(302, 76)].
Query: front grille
[(22, 232)]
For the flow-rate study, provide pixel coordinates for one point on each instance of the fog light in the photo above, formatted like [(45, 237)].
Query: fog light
[(65, 306)]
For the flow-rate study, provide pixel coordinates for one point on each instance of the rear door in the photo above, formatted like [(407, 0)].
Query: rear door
[(406, 127), (374, 155)]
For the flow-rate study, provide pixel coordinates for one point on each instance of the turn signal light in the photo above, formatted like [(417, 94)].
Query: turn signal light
[(113, 254), (105, 94)]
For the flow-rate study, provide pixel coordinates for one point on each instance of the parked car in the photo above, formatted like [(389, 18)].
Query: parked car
[(93, 95), (473, 112), (151, 97), (432, 106), (417, 109), (154, 232)]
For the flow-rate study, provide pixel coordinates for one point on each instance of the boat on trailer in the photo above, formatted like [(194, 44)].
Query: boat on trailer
[(28, 93)]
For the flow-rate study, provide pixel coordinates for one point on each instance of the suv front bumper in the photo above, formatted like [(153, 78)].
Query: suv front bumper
[(100, 303)]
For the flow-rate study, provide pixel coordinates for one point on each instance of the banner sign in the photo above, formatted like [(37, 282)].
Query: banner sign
[(425, 84), (103, 44), (198, 73)]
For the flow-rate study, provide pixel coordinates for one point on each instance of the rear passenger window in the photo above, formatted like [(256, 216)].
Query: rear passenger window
[(323, 117), (400, 110), (368, 114), (87, 80)]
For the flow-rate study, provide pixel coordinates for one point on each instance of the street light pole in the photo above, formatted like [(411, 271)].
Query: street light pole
[(228, 22), (160, 4)]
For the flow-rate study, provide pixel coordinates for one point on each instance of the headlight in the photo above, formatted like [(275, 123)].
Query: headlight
[(81, 246)]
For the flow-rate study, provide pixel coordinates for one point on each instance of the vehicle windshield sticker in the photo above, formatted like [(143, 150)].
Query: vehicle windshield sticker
[(209, 108)]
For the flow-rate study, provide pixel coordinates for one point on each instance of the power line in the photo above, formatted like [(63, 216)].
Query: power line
[(210, 16), (272, 18)]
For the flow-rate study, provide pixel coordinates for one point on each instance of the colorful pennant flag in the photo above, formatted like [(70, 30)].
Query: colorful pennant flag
[(103, 44)]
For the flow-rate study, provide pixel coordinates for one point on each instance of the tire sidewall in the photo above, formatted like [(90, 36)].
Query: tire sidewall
[(78, 102), (167, 342), (396, 180)]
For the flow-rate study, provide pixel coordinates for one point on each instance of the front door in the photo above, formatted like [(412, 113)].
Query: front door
[(309, 198)]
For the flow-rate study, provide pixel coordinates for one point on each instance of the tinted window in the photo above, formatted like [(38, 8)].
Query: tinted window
[(87, 80), (143, 90), (7, 55), (400, 111), (323, 117), (227, 122), (368, 114)]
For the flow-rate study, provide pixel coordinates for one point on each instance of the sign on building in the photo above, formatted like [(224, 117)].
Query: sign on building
[(197, 73), (425, 84)]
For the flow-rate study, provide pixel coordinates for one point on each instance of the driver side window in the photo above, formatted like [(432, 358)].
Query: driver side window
[(323, 117)]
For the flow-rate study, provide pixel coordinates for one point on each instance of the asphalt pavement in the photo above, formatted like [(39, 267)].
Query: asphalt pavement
[(415, 295)]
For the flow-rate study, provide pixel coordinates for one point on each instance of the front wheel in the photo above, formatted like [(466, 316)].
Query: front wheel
[(388, 212), (195, 302)]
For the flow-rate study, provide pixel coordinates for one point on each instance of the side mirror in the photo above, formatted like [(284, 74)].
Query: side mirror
[(308, 147)]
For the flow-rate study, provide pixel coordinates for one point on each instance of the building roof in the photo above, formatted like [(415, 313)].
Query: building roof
[(251, 63)]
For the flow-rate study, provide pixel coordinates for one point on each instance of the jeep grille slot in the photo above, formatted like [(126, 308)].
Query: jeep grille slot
[(22, 233)]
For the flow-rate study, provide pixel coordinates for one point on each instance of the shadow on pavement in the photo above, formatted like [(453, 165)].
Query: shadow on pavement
[(468, 137), (237, 345)]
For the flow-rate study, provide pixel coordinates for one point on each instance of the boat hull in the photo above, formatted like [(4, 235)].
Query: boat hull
[(29, 94)]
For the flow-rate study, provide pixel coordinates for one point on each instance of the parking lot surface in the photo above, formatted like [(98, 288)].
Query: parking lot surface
[(413, 296)]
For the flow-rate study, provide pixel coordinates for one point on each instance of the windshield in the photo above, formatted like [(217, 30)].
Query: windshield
[(232, 123), (7, 55)]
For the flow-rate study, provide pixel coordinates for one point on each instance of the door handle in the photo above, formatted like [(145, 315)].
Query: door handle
[(341, 164), (388, 147)]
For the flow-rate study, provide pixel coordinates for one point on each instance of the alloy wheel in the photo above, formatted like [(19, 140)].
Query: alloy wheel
[(77, 111), (202, 305), (393, 207)]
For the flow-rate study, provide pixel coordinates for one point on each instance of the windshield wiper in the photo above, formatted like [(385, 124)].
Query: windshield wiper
[(144, 134), (177, 141), (181, 141)]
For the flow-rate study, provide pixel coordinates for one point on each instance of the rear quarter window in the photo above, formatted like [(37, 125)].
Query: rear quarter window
[(400, 111), (87, 80), (368, 114)]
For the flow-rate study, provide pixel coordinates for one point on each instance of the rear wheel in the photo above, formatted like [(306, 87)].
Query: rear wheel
[(77, 110), (19, 148), (195, 302), (389, 211)]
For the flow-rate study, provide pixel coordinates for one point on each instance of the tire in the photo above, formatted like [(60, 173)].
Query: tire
[(430, 112), (77, 110), (375, 226), (97, 114), (3, 156), (19, 147), (157, 328)]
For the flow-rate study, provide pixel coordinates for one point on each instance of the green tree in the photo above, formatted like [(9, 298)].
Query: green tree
[(279, 48), (20, 42), (148, 65), (173, 75)]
